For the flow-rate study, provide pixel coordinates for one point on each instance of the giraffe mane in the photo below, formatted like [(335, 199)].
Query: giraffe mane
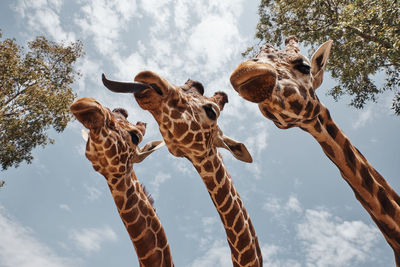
[(148, 195)]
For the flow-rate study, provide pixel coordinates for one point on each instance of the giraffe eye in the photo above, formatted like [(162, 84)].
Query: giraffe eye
[(303, 68), (134, 137), (211, 114)]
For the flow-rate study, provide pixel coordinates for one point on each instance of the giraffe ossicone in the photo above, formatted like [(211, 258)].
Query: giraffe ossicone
[(283, 84), (113, 147), (188, 123)]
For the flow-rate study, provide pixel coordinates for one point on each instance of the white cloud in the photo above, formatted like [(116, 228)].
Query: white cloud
[(275, 206), (294, 205), (183, 167), (199, 38), (154, 7), (127, 8), (326, 240), (93, 192), (363, 118), (105, 20), (217, 255), (330, 241), (181, 14), (257, 141), (128, 67), (65, 207), (44, 15), (159, 12), (209, 224), (213, 42), (272, 205), (19, 247), (158, 181), (206, 233), (272, 258), (90, 71), (91, 239)]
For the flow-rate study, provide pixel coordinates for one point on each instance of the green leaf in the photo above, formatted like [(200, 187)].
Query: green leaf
[(366, 35), (36, 95)]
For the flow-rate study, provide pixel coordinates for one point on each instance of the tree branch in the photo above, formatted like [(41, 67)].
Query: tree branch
[(368, 37)]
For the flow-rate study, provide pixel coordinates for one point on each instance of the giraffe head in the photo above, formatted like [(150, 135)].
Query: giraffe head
[(187, 119), (113, 142), (283, 82)]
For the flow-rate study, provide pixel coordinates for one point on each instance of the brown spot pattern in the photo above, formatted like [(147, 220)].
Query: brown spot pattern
[(121, 185), (332, 130), (328, 149), (221, 194), (219, 175), (138, 227), (367, 180), (231, 215), (119, 201), (132, 200), (161, 240), (187, 139), (144, 244), (179, 129), (387, 206), (308, 109), (349, 156), (316, 111), (268, 114), (243, 240), (154, 259), (296, 106), (130, 216), (248, 256), (317, 126), (143, 207), (289, 90), (208, 167)]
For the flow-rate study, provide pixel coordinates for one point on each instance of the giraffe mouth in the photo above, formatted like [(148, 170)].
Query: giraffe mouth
[(154, 82), (254, 81), (83, 105)]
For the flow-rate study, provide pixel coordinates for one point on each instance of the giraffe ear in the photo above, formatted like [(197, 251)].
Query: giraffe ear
[(148, 149), (237, 149), (318, 63)]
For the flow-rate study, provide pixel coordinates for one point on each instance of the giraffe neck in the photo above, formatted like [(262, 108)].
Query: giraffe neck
[(240, 232), (370, 188), (141, 221)]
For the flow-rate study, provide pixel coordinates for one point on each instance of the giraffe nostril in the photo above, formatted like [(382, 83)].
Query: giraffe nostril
[(156, 88), (142, 123)]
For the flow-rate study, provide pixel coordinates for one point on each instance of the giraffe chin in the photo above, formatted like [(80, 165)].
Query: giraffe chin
[(254, 81)]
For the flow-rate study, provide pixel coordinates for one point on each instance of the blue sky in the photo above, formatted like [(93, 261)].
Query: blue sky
[(59, 212)]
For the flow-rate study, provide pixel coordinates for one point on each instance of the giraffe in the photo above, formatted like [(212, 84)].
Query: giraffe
[(283, 84), (112, 147), (188, 123)]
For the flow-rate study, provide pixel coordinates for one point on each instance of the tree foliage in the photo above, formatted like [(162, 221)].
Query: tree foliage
[(366, 36), (35, 95)]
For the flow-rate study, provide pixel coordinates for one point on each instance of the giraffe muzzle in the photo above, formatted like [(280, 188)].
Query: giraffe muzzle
[(254, 81), (88, 111)]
